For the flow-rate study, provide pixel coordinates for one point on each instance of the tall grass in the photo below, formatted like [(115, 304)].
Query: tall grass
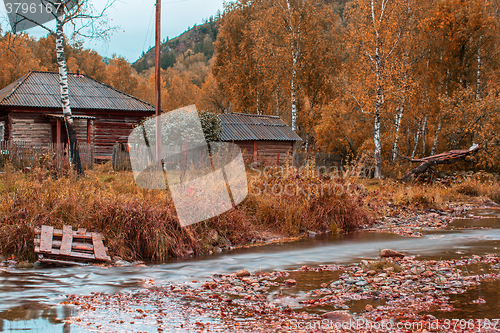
[(457, 187), (141, 224)]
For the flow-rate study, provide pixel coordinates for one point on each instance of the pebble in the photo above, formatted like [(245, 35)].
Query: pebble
[(121, 263), (388, 253), (338, 316), (242, 273)]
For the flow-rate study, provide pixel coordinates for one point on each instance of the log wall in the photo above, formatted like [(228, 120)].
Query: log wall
[(113, 129), (33, 126), (267, 151), (36, 128)]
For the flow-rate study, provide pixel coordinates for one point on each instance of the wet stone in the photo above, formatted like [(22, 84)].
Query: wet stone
[(242, 273)]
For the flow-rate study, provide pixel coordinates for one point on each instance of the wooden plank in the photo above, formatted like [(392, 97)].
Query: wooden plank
[(62, 262), (74, 246), (46, 239), (67, 240), (81, 231), (99, 251), (80, 255), (59, 233)]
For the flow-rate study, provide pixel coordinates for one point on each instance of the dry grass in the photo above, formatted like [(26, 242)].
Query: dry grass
[(141, 224), (380, 265), (458, 187)]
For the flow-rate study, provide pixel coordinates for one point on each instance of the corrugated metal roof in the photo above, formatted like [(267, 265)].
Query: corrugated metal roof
[(41, 90), (243, 127)]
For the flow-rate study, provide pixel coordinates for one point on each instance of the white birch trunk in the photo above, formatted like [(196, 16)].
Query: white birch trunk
[(436, 138), (417, 137), (399, 116), (259, 112), (424, 134), (63, 82), (478, 79), (295, 49), (277, 102), (377, 154)]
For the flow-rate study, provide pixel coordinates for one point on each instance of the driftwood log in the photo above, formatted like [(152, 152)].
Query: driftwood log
[(448, 157)]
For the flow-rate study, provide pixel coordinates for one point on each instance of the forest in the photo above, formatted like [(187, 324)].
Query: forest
[(385, 79)]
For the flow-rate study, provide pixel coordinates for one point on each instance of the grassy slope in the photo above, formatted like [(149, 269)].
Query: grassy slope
[(141, 224)]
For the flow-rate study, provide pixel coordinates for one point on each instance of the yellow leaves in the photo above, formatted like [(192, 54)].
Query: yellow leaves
[(16, 58)]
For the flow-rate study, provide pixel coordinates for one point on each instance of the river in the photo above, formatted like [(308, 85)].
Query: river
[(30, 298)]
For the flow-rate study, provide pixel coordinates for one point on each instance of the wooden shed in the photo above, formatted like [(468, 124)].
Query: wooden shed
[(30, 111), (265, 139)]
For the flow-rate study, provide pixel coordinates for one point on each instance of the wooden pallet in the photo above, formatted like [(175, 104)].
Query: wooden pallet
[(67, 244)]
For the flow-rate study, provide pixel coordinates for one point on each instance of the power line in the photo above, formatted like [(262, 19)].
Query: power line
[(147, 32)]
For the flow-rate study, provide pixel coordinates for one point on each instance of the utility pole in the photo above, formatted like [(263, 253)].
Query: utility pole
[(159, 154)]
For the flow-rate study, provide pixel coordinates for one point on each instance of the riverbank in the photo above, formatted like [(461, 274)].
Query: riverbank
[(141, 225), (391, 295), (394, 294), (132, 293)]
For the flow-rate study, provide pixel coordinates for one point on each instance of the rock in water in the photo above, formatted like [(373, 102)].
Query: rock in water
[(242, 273), (369, 308), (337, 316), (387, 253)]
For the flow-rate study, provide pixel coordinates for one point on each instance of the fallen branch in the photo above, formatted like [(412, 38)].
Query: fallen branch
[(448, 157)]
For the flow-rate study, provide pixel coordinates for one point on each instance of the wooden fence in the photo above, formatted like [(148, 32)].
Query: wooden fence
[(320, 159), (121, 158), (26, 154)]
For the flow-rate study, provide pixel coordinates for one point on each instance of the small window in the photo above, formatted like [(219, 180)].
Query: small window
[(2, 130)]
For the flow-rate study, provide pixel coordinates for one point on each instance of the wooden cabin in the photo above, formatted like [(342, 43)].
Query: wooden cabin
[(264, 139), (30, 111)]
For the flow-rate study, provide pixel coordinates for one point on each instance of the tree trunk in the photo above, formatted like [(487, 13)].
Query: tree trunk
[(436, 138), (449, 157), (424, 135), (417, 137), (478, 79), (293, 89), (399, 115), (295, 49), (377, 154), (63, 82)]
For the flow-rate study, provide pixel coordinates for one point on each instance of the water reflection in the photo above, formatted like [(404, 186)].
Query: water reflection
[(38, 318)]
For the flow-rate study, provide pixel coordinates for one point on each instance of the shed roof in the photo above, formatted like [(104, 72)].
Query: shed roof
[(41, 90), (243, 127)]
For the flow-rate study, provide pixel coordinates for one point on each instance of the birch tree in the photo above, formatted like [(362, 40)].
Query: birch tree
[(277, 57), (375, 31), (86, 22), (297, 43)]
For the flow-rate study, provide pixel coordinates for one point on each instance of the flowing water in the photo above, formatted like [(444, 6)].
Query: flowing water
[(29, 297)]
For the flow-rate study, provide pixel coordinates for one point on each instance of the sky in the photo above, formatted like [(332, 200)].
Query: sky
[(135, 21)]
